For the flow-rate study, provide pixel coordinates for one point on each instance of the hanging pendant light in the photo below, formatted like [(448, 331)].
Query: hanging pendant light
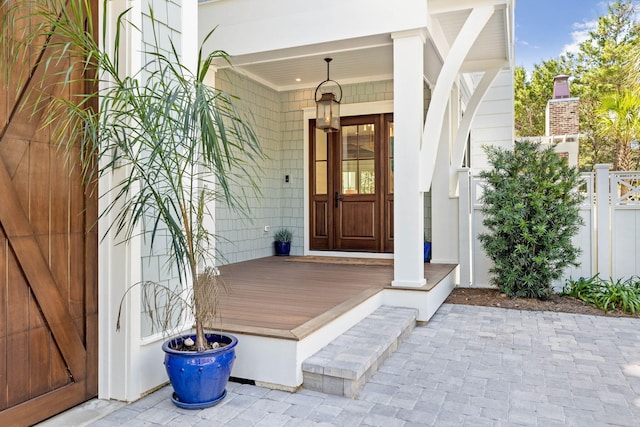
[(328, 106)]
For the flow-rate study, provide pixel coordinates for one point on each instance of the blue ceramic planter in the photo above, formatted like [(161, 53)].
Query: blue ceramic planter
[(199, 378), (282, 248), (427, 251)]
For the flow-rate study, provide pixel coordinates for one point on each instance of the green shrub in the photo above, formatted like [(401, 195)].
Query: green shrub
[(283, 235), (606, 295), (622, 295), (585, 289), (531, 211)]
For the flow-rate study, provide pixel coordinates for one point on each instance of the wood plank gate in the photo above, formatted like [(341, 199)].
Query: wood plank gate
[(48, 263)]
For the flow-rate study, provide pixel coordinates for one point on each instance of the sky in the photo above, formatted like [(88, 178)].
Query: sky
[(547, 28)]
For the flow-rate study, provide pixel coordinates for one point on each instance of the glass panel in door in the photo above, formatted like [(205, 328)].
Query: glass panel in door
[(356, 202), (358, 172)]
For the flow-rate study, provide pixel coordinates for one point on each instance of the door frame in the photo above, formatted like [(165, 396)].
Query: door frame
[(368, 108)]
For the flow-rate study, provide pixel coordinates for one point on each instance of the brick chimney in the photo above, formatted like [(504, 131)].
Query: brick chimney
[(562, 116)]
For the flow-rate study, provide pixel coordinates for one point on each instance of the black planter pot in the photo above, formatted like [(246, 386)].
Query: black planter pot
[(282, 248)]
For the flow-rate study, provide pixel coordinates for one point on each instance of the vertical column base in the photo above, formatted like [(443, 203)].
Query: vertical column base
[(409, 284)]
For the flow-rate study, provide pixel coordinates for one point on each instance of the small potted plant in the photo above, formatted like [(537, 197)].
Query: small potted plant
[(283, 242)]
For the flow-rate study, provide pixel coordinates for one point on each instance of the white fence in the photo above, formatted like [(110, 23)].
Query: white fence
[(609, 239)]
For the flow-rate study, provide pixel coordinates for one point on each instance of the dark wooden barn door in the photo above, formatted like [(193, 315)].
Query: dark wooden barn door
[(48, 264)]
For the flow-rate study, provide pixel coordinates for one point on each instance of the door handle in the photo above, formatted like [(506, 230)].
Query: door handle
[(337, 198)]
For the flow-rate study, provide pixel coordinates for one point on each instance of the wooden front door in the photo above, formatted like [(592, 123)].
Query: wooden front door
[(352, 186), (48, 264)]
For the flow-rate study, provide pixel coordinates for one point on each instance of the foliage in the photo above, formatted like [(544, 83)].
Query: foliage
[(283, 235), (165, 306), (619, 120), (606, 294), (531, 95), (604, 65), (601, 75), (632, 67), (601, 58), (531, 213), (169, 143)]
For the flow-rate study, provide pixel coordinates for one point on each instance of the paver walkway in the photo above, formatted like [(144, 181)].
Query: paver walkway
[(474, 366)]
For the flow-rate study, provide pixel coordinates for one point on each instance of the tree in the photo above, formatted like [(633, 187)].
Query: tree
[(600, 62), (526, 113), (531, 213), (632, 67), (601, 72), (531, 96), (606, 63), (619, 121)]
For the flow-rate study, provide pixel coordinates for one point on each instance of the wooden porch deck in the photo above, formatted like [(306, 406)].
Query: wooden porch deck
[(291, 297)]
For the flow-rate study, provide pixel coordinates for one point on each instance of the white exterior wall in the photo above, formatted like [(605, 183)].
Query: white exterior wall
[(242, 238), (293, 161), (280, 126), (493, 124)]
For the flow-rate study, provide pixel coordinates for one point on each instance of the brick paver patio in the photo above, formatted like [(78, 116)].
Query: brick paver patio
[(471, 366)]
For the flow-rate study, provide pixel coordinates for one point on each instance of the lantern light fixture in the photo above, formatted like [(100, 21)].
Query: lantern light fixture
[(328, 106)]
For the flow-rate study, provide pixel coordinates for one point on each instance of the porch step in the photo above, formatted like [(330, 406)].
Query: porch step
[(344, 366)]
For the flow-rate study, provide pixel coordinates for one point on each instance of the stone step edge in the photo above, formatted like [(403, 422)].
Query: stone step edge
[(343, 366)]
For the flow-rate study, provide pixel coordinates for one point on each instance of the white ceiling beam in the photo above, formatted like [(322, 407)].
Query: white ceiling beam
[(438, 38), (269, 57), (436, 7)]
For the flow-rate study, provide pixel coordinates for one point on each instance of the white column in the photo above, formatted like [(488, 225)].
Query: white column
[(189, 28), (603, 225), (408, 105), (118, 264)]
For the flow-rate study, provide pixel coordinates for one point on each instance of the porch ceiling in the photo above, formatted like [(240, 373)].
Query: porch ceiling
[(371, 58), (363, 59), (492, 46)]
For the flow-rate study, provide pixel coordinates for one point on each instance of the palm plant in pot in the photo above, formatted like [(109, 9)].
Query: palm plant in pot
[(173, 144), (282, 242)]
